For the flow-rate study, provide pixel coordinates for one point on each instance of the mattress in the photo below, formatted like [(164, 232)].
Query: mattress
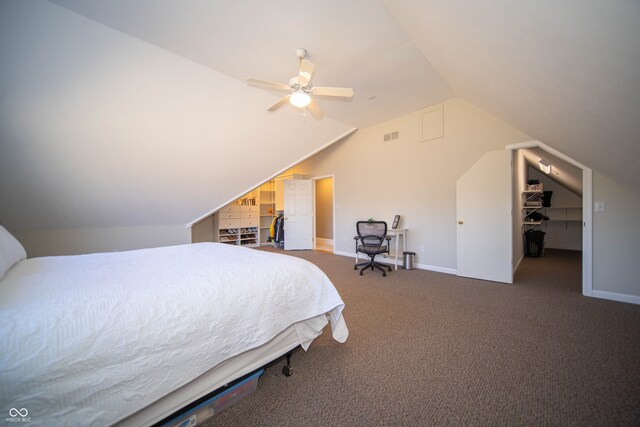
[(93, 339)]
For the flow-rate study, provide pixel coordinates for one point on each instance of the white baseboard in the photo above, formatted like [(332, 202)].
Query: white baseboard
[(324, 244), (562, 247), (633, 299), (342, 253), (517, 265), (324, 241), (392, 260), (437, 268)]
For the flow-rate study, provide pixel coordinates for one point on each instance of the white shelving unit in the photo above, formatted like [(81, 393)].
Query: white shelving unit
[(564, 213), (531, 202), (238, 223), (564, 227), (267, 209)]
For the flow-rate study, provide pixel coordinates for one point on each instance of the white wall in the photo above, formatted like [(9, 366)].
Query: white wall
[(616, 240), (417, 181), (414, 179), (91, 240), (101, 130), (565, 72)]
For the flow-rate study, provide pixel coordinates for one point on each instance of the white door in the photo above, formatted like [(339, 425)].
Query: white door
[(483, 198), (298, 214)]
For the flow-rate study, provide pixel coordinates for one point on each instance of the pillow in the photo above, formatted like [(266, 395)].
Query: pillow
[(11, 251)]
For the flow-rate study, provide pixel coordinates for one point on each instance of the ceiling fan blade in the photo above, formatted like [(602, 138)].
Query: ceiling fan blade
[(274, 85), (305, 73), (279, 104), (315, 110), (345, 92)]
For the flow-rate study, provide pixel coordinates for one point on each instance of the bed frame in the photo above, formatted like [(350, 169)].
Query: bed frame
[(287, 370), (224, 375)]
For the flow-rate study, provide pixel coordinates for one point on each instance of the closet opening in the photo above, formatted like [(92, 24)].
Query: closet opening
[(551, 227), (323, 213)]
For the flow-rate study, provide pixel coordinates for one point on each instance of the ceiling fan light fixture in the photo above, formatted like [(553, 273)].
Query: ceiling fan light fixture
[(300, 89), (299, 99)]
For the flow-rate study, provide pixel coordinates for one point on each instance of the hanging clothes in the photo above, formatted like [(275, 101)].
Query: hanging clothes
[(279, 229), (272, 230)]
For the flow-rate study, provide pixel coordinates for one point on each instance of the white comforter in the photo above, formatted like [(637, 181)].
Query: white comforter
[(90, 339)]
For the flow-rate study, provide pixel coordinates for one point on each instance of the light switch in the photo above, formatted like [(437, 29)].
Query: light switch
[(599, 206)]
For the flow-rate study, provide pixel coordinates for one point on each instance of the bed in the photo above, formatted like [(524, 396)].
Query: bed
[(129, 338)]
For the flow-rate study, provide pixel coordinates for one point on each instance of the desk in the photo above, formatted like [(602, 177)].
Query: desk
[(395, 233)]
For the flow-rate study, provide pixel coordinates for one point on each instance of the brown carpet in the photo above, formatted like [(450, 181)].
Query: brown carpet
[(428, 348)]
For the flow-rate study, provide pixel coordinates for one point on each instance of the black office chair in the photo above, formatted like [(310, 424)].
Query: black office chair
[(372, 240)]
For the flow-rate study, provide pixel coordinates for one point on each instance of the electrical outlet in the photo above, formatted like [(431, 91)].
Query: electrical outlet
[(599, 207), (422, 249)]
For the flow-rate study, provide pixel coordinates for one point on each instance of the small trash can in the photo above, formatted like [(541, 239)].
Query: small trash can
[(408, 260)]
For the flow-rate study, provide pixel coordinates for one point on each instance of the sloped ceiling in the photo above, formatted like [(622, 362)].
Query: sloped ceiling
[(140, 114), (355, 43), (565, 72), (99, 129), (562, 172)]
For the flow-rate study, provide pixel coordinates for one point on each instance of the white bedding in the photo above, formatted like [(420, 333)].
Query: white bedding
[(91, 339)]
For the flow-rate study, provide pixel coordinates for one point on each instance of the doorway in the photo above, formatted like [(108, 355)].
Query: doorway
[(324, 213), (569, 226)]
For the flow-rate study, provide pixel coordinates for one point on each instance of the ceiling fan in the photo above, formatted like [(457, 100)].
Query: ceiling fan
[(301, 88)]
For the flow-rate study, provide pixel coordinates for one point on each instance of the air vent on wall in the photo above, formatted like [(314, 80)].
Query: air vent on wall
[(391, 136)]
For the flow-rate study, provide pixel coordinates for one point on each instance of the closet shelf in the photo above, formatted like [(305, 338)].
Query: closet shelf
[(237, 223), (531, 202)]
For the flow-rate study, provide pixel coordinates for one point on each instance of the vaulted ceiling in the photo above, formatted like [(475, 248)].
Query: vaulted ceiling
[(565, 72), (355, 44), (169, 76)]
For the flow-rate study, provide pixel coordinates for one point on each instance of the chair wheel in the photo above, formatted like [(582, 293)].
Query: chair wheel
[(361, 273), (384, 274), (355, 267), (287, 371)]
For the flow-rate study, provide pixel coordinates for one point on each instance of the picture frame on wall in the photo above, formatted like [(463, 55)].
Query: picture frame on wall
[(396, 221)]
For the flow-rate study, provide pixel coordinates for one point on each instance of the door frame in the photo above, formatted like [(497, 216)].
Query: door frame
[(333, 210), (587, 215)]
